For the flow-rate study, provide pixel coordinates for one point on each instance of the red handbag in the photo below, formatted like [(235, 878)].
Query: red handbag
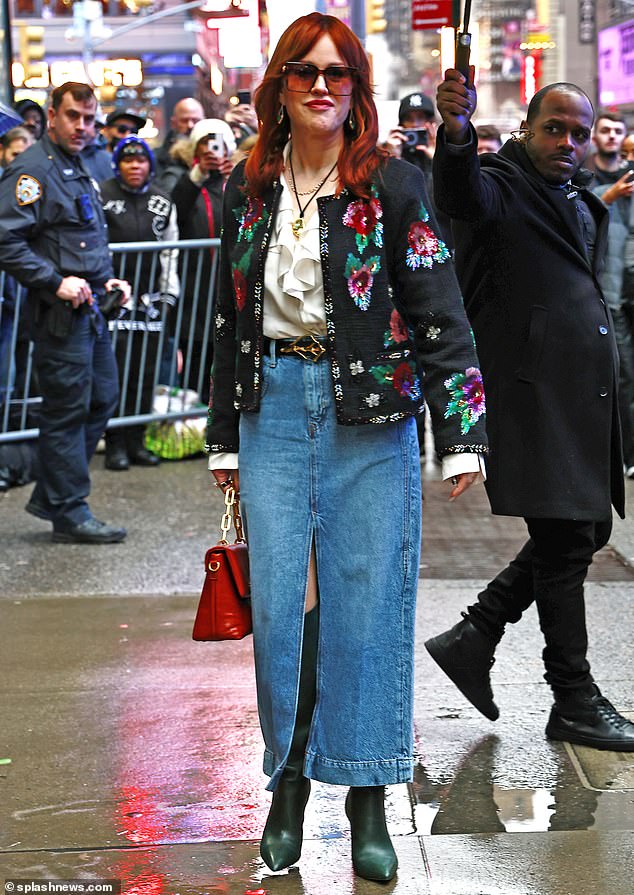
[(224, 610)]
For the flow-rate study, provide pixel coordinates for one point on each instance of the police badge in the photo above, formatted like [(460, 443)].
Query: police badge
[(27, 190)]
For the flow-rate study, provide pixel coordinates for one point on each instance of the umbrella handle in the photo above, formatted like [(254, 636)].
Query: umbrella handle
[(463, 53)]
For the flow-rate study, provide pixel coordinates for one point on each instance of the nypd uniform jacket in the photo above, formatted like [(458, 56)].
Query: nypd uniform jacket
[(51, 222)]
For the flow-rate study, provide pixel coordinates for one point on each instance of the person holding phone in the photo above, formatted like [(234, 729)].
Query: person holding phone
[(242, 118), (198, 199), (337, 314)]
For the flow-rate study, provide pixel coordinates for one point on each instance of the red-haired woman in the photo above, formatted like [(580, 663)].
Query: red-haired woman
[(337, 302)]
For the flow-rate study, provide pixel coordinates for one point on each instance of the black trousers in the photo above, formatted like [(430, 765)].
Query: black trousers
[(550, 570)]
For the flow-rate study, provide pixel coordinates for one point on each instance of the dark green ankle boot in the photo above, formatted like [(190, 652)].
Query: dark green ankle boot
[(373, 854), (281, 843)]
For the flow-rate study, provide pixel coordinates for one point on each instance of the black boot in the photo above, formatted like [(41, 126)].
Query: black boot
[(466, 655), (281, 843), (373, 855), (116, 454), (587, 718), (136, 449)]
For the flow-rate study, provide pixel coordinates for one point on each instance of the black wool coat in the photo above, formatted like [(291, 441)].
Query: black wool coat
[(394, 314), (543, 332)]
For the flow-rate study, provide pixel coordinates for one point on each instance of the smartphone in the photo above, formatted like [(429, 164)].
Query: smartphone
[(244, 97), (215, 144)]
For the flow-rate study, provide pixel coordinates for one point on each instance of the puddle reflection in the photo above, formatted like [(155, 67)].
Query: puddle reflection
[(471, 802)]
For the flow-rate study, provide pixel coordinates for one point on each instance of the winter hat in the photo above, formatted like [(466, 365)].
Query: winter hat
[(213, 126), (24, 105), (130, 146)]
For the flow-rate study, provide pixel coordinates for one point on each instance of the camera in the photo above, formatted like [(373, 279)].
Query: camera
[(111, 302), (244, 97), (415, 138)]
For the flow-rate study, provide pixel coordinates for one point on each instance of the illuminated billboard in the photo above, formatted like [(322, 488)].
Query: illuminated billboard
[(616, 64)]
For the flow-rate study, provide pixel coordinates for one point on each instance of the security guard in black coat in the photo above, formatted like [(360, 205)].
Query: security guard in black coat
[(53, 239), (530, 244)]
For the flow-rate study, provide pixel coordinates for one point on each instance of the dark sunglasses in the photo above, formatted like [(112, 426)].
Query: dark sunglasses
[(126, 129), (302, 76)]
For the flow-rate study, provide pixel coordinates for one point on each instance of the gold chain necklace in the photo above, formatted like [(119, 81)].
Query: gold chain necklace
[(297, 226), (314, 189)]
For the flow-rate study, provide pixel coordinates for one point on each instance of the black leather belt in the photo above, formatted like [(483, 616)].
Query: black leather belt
[(306, 347)]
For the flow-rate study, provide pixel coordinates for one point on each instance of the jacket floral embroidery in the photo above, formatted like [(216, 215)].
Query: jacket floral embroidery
[(396, 329)]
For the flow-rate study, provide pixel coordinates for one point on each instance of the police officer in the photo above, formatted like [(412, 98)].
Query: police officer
[(53, 239)]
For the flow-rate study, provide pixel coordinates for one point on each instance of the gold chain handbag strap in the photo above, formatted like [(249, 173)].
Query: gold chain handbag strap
[(232, 510)]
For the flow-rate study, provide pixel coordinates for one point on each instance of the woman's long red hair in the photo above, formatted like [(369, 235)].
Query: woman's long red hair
[(359, 157)]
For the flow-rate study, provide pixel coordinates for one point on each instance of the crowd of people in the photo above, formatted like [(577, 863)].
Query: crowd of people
[(360, 280), (173, 192)]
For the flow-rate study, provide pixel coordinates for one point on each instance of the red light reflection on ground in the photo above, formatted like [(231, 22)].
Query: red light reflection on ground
[(137, 880), (138, 817)]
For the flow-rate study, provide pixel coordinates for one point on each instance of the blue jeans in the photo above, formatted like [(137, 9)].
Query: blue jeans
[(80, 391), (353, 491)]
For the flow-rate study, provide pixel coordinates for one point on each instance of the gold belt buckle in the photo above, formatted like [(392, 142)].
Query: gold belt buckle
[(311, 350)]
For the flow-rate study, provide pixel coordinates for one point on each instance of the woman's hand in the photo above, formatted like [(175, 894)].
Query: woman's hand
[(394, 142), (225, 477), (209, 161), (623, 188), (461, 482)]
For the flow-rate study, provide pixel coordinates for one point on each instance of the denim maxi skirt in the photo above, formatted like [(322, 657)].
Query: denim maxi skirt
[(356, 491)]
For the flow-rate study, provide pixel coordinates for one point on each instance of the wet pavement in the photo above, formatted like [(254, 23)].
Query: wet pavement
[(127, 751)]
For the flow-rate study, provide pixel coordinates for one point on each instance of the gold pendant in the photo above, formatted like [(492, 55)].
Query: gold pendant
[(297, 226)]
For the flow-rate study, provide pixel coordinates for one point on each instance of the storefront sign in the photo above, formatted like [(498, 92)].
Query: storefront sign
[(587, 21), (99, 73), (431, 14)]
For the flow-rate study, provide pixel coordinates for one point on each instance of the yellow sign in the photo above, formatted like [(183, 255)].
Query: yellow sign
[(32, 50), (101, 73)]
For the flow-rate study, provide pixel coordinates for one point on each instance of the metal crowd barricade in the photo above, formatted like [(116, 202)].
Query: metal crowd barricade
[(158, 329)]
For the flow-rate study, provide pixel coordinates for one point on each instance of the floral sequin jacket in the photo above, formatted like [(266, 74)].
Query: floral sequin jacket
[(397, 333)]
